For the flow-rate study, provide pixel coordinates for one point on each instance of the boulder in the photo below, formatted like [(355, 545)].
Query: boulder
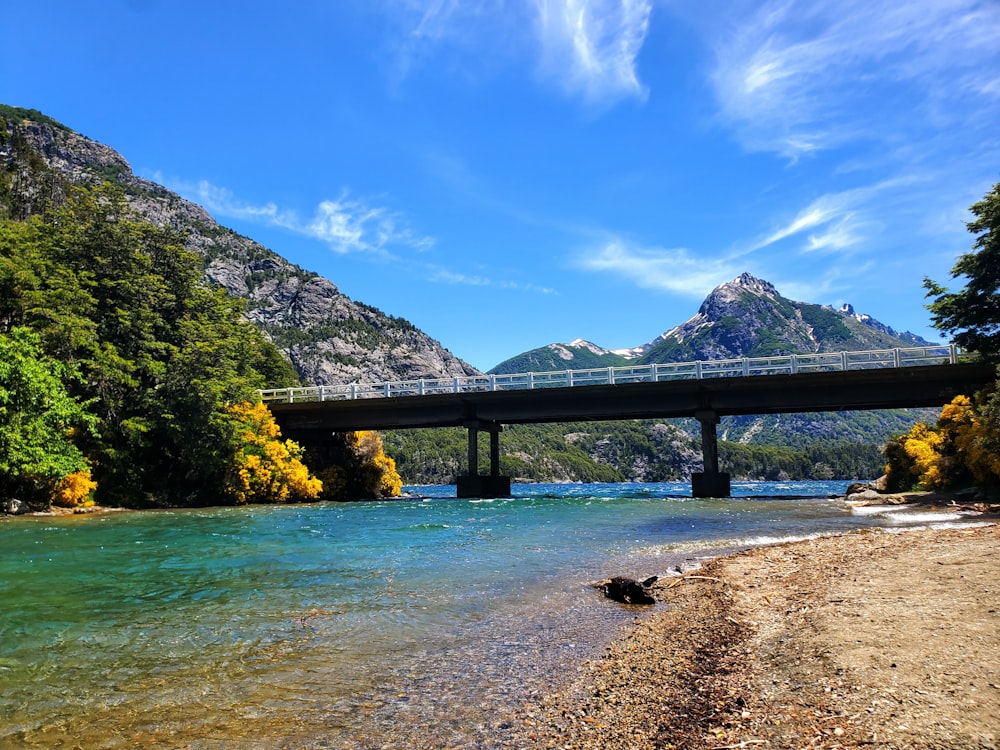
[(12, 507)]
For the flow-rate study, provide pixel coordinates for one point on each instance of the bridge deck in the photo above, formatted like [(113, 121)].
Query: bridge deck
[(788, 364), (849, 390)]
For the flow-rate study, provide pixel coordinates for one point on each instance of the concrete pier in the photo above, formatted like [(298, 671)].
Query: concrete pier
[(711, 482), (474, 484)]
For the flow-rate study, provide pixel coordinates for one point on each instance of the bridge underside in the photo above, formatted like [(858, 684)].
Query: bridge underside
[(705, 400)]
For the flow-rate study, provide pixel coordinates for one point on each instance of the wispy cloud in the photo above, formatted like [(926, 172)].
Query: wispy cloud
[(587, 48), (345, 223), (590, 46), (673, 270), (440, 275), (824, 285), (678, 271), (834, 222), (428, 27), (796, 77), (835, 225)]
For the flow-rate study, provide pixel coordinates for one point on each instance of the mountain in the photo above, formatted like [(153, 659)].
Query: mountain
[(868, 320), (327, 336), (576, 355), (745, 317)]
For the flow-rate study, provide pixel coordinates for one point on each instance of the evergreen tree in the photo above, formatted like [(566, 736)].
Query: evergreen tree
[(161, 356), (973, 314)]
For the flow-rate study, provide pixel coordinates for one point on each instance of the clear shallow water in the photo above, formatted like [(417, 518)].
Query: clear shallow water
[(419, 622)]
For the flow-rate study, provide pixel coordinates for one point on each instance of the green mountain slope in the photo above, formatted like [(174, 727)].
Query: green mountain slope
[(578, 355)]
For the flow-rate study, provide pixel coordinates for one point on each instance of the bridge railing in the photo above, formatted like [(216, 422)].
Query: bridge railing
[(718, 368)]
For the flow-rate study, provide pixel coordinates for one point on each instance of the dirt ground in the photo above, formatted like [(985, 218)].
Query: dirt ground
[(867, 640)]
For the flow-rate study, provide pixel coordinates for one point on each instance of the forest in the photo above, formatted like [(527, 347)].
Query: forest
[(627, 451), (126, 380)]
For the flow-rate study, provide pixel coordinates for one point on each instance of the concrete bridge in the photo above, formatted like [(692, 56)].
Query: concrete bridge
[(706, 391)]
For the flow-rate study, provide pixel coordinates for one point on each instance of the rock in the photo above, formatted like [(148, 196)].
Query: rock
[(13, 507), (865, 494), (628, 590)]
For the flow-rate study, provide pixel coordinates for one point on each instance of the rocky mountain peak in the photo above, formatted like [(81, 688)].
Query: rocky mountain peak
[(743, 297), (745, 317), (753, 284)]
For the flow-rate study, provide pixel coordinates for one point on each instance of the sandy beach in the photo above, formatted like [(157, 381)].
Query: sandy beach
[(866, 640)]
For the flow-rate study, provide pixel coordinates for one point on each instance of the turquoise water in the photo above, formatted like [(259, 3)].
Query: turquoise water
[(420, 622)]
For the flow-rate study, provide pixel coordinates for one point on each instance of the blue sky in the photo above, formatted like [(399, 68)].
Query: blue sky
[(511, 173)]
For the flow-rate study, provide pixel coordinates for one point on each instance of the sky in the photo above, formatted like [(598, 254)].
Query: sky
[(507, 174)]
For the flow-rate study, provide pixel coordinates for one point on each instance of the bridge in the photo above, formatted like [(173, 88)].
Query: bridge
[(706, 391)]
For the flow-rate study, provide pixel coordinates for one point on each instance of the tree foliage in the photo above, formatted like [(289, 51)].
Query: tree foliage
[(160, 355), (160, 367), (644, 450), (357, 468), (972, 314), (40, 425)]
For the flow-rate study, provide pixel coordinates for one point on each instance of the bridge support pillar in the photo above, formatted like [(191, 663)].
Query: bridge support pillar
[(476, 485), (711, 482)]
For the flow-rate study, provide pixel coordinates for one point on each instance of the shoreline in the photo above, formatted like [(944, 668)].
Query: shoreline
[(867, 639)]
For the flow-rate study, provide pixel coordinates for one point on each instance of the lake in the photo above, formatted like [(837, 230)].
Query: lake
[(420, 622)]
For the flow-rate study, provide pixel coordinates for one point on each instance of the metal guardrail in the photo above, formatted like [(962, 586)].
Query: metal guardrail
[(718, 368)]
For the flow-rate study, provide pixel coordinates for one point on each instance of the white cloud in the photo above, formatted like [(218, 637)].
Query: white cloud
[(590, 46), (824, 285), (670, 270), (426, 27), (818, 213), (835, 221), (841, 236), (446, 276), (835, 224), (346, 224), (796, 77)]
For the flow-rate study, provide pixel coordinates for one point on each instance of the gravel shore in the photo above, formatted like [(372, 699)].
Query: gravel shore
[(866, 640)]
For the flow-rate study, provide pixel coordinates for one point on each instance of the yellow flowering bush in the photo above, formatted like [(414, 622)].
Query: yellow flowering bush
[(390, 484), (959, 450), (74, 490), (267, 469), (975, 440), (922, 446)]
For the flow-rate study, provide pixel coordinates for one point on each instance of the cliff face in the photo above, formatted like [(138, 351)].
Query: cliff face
[(327, 336)]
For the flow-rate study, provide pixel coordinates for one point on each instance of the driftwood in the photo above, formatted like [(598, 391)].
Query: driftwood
[(628, 590)]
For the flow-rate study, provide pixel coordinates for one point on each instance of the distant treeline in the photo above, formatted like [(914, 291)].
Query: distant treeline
[(642, 451)]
